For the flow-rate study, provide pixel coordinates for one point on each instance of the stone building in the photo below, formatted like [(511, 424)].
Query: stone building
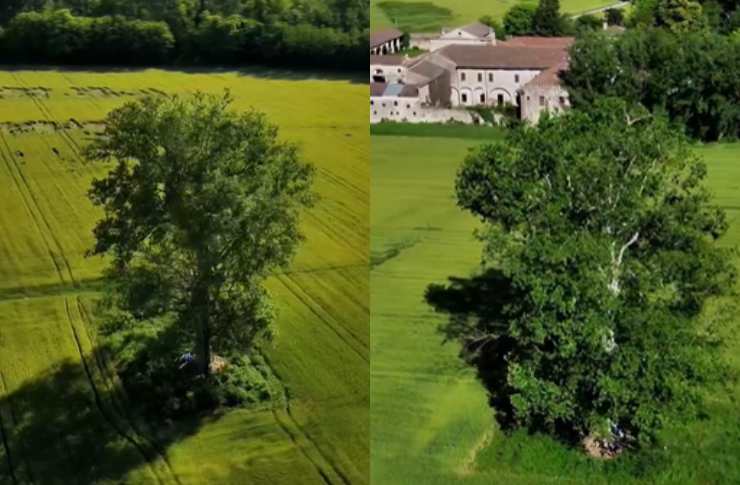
[(472, 34), (523, 72)]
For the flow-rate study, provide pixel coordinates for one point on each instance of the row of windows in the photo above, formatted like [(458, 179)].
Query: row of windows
[(395, 103), (463, 77), (380, 71), (375, 113), (500, 100)]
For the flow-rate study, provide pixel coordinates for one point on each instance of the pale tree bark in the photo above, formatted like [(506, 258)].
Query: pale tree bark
[(617, 259)]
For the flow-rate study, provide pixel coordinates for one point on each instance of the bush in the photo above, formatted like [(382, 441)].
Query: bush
[(519, 20), (588, 23)]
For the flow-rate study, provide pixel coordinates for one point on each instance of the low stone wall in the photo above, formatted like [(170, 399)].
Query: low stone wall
[(429, 115)]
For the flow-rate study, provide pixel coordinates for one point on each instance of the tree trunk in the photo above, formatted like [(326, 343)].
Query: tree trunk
[(201, 312)]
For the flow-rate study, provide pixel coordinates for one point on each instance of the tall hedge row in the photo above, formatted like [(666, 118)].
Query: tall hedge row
[(63, 38), (60, 37)]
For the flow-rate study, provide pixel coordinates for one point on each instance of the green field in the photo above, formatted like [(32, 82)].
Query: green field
[(425, 16), (64, 417), (430, 419)]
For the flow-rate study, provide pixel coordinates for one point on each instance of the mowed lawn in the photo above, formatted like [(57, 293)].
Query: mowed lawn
[(430, 419), (431, 16), (63, 416)]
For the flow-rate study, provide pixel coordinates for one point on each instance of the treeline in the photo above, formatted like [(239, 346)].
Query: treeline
[(236, 39), (693, 77), (326, 33), (60, 37), (345, 15)]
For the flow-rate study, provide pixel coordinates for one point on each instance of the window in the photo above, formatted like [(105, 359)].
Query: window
[(464, 98), (408, 106), (480, 77), (516, 78), (395, 103), (414, 113), (399, 70), (500, 99), (375, 112), (490, 77), (383, 105), (372, 102), (462, 76), (483, 98), (542, 101)]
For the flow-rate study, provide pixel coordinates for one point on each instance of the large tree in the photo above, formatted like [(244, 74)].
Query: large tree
[(601, 225), (205, 203)]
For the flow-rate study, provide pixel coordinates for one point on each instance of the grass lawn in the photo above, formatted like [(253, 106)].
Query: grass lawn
[(64, 416), (425, 16), (429, 417)]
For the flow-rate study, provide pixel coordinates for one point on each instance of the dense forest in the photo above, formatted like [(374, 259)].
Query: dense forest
[(326, 33)]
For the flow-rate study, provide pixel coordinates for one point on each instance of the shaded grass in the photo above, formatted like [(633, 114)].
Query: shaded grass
[(430, 416)]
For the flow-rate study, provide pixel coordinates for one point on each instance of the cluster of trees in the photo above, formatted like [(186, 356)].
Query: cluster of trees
[(681, 16), (692, 77), (545, 19), (604, 235), (310, 32)]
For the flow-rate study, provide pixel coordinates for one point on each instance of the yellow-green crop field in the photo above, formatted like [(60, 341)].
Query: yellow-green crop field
[(63, 414), (430, 418)]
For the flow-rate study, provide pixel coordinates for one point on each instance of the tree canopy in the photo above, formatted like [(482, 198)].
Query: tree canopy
[(201, 205), (605, 236), (692, 77)]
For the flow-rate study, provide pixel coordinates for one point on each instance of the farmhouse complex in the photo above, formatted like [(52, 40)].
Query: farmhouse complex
[(468, 67)]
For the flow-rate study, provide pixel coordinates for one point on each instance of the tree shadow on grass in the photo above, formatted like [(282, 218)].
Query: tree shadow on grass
[(66, 426), (75, 422), (477, 313)]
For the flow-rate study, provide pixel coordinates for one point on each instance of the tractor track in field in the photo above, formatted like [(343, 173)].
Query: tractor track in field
[(34, 209), (109, 418), (314, 286), (120, 398), (301, 433), (311, 304), (332, 233)]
